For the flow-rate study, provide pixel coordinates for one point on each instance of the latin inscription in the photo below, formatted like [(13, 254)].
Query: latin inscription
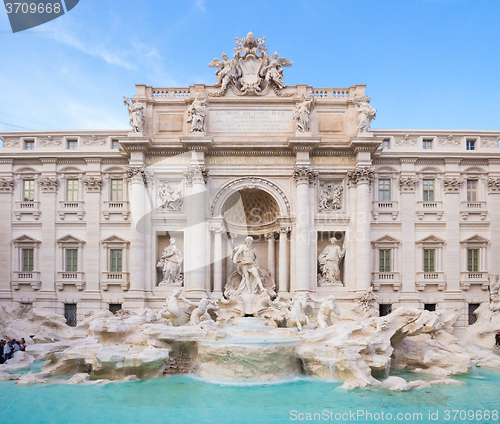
[(235, 121)]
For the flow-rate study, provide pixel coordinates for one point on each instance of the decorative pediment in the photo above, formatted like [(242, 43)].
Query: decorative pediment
[(475, 239), (432, 239), (25, 239), (114, 239), (69, 239), (387, 239)]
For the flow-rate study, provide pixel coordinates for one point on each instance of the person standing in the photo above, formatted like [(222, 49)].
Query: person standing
[(7, 351), (497, 340)]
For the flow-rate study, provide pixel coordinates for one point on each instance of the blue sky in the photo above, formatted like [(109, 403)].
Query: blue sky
[(426, 63)]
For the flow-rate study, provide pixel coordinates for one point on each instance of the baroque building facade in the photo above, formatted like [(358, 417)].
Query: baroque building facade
[(87, 217)]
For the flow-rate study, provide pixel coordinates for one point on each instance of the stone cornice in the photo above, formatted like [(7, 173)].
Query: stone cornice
[(48, 160), (359, 144), (93, 160), (303, 144), (135, 144), (408, 160), (197, 143)]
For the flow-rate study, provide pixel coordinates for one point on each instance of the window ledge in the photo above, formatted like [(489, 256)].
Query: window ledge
[(76, 278), (66, 207)]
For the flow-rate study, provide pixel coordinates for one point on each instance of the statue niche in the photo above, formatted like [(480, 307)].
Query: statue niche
[(329, 264)]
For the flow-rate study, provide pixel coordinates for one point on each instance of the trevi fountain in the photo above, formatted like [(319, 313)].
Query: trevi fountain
[(251, 340)]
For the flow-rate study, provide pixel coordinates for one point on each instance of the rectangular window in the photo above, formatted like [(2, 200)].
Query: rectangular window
[(385, 143), (72, 190), (70, 314), (384, 190), (71, 260), (471, 190), (384, 309), (384, 260), (430, 307), (72, 144), (472, 315), (471, 144), (115, 307), (29, 144), (473, 260), (116, 190), (427, 144), (429, 260), (28, 190), (116, 260), (115, 144), (27, 258), (428, 190)]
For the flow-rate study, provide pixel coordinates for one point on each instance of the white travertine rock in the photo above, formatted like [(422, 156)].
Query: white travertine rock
[(119, 361), (79, 378), (32, 378), (5, 376), (19, 361)]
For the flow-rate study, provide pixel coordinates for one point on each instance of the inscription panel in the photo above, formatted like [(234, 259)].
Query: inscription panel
[(236, 121)]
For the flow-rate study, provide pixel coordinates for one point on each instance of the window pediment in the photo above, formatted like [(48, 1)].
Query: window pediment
[(386, 240), (432, 239), (115, 240), (69, 239), (476, 239), (25, 239)]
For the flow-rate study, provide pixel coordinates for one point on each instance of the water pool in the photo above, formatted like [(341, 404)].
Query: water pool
[(185, 399)]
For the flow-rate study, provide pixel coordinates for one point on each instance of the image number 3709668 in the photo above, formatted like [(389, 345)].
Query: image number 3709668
[(26, 14)]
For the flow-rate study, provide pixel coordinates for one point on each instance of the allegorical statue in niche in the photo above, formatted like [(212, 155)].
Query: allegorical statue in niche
[(170, 263), (136, 115), (171, 200), (365, 114), (226, 73), (249, 277), (273, 71), (302, 113), (329, 261), (197, 112), (330, 197)]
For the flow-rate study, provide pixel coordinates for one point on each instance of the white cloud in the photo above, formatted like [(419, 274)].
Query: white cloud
[(200, 4)]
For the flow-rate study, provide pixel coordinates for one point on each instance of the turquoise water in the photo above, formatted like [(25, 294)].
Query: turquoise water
[(183, 399)]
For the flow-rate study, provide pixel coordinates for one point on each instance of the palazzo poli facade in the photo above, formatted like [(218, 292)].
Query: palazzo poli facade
[(85, 216)]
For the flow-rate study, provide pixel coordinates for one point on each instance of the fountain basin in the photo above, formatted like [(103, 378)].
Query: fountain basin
[(251, 351)]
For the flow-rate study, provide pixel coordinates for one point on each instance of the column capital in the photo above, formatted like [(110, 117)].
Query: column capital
[(452, 185), (285, 230), (93, 184), (494, 185), (361, 175), (304, 175), (196, 174), (270, 235), (6, 185), (48, 184), (216, 229), (407, 184), (137, 174)]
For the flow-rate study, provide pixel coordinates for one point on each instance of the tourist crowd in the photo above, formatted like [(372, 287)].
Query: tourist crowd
[(8, 348)]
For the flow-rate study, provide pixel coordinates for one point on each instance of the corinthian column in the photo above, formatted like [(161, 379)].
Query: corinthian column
[(196, 255), (137, 181), (217, 261), (270, 254), (283, 260), (363, 176), (303, 176)]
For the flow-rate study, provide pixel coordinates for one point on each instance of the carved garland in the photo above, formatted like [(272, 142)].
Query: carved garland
[(250, 182), (49, 141), (449, 141), (11, 142), (406, 141), (94, 141)]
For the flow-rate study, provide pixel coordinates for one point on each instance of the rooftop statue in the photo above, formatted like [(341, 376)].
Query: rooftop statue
[(136, 115), (365, 114), (251, 71), (197, 113), (302, 113)]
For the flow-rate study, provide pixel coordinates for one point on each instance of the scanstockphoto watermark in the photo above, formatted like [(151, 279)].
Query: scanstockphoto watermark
[(26, 14), (364, 415)]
